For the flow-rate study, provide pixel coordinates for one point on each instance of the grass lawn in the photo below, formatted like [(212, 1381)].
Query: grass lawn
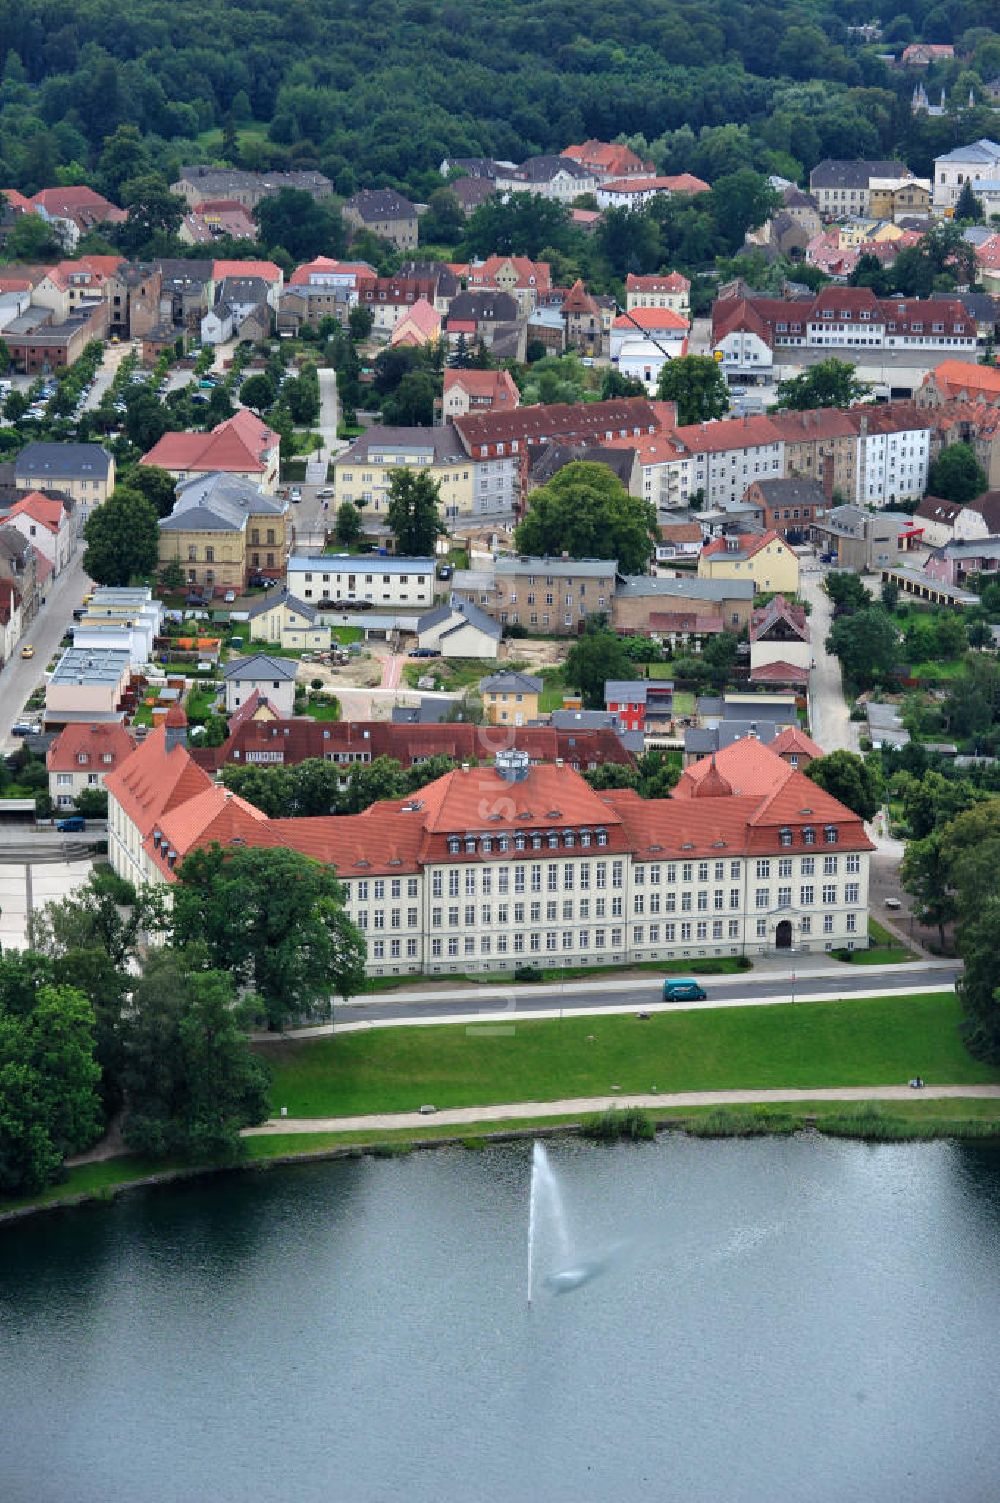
[(554, 688), (683, 698), (935, 670), (723, 965), (885, 949), (864, 1041), (453, 673), (326, 710), (347, 634)]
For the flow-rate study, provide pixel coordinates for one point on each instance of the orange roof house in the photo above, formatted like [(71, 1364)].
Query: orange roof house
[(242, 445), (419, 325)]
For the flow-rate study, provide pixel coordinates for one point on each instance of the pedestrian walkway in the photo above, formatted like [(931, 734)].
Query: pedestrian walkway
[(514, 1111)]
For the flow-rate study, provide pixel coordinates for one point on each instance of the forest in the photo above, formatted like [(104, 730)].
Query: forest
[(377, 94)]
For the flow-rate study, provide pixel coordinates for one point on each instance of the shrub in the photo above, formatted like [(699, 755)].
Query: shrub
[(628, 1122)]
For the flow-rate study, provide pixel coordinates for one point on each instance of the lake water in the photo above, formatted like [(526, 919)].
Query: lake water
[(796, 1319)]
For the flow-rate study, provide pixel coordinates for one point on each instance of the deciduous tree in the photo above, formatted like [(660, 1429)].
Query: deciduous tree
[(830, 383), (853, 780), (593, 659), (697, 385), (585, 511), (414, 513), (122, 539), (956, 474)]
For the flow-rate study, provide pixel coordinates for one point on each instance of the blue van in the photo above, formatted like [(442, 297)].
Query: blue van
[(683, 989), (70, 824)]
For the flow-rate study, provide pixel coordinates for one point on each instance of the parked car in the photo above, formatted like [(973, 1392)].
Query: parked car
[(326, 493), (295, 494), (25, 728), (426, 652), (444, 571), (71, 824), (27, 651), (683, 989)]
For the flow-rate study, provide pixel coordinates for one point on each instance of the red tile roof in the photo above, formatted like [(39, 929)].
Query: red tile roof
[(779, 672), (728, 433), (239, 445), (558, 420), (750, 544), (651, 318), (791, 739), (42, 509), (266, 270), (498, 387), (93, 742), (673, 282)]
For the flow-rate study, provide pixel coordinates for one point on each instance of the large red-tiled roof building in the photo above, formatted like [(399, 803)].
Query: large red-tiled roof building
[(491, 865)]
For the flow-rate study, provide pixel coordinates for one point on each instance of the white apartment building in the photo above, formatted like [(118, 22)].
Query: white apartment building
[(342, 579), (977, 162), (726, 456)]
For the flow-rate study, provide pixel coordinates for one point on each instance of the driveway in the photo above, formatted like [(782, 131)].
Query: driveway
[(829, 717), (113, 356)]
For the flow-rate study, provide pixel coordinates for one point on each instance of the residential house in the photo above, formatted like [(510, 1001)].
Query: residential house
[(670, 290), (958, 380), (958, 561), (363, 471), (223, 529), (418, 326), (550, 596), (486, 318), (892, 199), (521, 278), (11, 622), (678, 541), (341, 581), (559, 178), (184, 293), (267, 272), (82, 756), (283, 621), (922, 54), (844, 188), (779, 638), (241, 311), (765, 558), (640, 704), (468, 391), (75, 211), (662, 469), (49, 524), (197, 183), (385, 213), (21, 565), (126, 619), (546, 460), (86, 472), (216, 219), (979, 518), (793, 746), (584, 321), (789, 505), (459, 630), (802, 208), (977, 162), (643, 341), (271, 678), (609, 160), (937, 519), (242, 446), (636, 192), (510, 698)]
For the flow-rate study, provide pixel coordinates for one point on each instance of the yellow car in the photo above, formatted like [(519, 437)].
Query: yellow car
[(27, 652)]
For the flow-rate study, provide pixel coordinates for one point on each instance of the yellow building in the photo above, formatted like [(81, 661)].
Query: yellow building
[(888, 198), (362, 472), (765, 558), (510, 698), (222, 531), (283, 621)]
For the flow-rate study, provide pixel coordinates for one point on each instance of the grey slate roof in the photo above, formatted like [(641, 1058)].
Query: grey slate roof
[(635, 586), (63, 461), (702, 742), (558, 568), (260, 666), (548, 459), (484, 307), (625, 691), (796, 491), (478, 619), (442, 442), (282, 597), (510, 683), (831, 174), (373, 204), (218, 502)]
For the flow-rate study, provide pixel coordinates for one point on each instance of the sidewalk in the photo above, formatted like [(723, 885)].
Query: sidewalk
[(584, 1106)]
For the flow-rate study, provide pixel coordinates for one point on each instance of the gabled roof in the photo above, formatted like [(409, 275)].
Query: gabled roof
[(672, 282), (651, 318), (579, 301), (63, 461), (92, 742), (936, 509), (44, 510), (510, 683), (749, 544), (240, 445), (282, 597), (779, 609), (372, 204), (497, 386), (257, 668), (153, 780), (267, 271), (792, 740)]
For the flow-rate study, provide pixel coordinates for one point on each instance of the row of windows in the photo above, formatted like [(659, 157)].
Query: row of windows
[(550, 941), (573, 872), (535, 841)]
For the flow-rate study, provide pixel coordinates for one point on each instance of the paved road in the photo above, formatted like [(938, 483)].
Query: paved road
[(830, 722), (19, 677), (328, 418), (576, 996), (113, 356), (585, 1105)]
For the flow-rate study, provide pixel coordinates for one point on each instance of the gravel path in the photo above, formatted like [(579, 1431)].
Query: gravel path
[(514, 1110)]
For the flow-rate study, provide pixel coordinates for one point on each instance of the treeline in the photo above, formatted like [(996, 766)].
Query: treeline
[(98, 1026), (381, 92)]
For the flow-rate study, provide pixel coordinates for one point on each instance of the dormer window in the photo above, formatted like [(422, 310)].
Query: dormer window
[(830, 834), (454, 845), (520, 842), (536, 842), (553, 841), (503, 843), (470, 845), (602, 837), (808, 835), (785, 837)]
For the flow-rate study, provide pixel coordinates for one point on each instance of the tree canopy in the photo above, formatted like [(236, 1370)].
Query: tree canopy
[(830, 383), (585, 511), (956, 474), (855, 781), (122, 539), (275, 920), (414, 513), (697, 385)]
